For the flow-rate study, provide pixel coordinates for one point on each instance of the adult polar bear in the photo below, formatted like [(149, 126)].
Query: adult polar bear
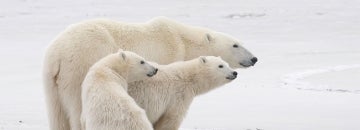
[(162, 40)]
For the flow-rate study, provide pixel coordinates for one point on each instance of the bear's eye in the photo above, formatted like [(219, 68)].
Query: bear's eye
[(221, 66), (235, 46), (142, 62)]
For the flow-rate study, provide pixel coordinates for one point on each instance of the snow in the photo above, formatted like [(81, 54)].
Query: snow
[(324, 75), (307, 76)]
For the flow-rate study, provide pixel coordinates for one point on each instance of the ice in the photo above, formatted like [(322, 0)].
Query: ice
[(307, 77), (297, 79)]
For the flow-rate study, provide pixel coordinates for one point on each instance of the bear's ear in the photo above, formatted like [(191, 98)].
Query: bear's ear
[(122, 54), (209, 38), (203, 59)]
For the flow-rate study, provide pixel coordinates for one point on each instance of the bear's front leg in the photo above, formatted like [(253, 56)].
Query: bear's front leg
[(169, 121), (174, 115)]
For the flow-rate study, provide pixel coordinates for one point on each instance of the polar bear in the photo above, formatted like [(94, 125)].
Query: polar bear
[(167, 96), (161, 40), (106, 103)]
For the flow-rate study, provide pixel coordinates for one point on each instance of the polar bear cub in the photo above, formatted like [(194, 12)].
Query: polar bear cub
[(167, 96), (106, 104)]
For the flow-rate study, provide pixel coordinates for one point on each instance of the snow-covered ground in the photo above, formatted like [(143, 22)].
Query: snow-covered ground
[(307, 77)]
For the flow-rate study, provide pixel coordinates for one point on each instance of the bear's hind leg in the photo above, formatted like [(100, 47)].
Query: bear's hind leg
[(56, 112)]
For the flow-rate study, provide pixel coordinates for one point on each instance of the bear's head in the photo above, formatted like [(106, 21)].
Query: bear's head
[(137, 68), (201, 41), (216, 70), (229, 49)]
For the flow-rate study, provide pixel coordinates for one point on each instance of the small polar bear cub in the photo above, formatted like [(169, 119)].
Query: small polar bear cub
[(167, 96), (106, 104)]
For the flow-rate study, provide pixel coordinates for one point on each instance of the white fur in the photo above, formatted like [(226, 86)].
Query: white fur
[(106, 103), (167, 96), (161, 40)]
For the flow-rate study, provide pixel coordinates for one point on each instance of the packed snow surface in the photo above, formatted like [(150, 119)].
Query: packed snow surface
[(307, 77)]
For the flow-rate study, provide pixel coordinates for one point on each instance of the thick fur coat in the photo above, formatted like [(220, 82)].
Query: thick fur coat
[(167, 96), (106, 103), (161, 40)]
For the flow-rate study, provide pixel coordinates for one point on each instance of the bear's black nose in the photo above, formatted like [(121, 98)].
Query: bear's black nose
[(254, 60), (156, 70), (234, 73)]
